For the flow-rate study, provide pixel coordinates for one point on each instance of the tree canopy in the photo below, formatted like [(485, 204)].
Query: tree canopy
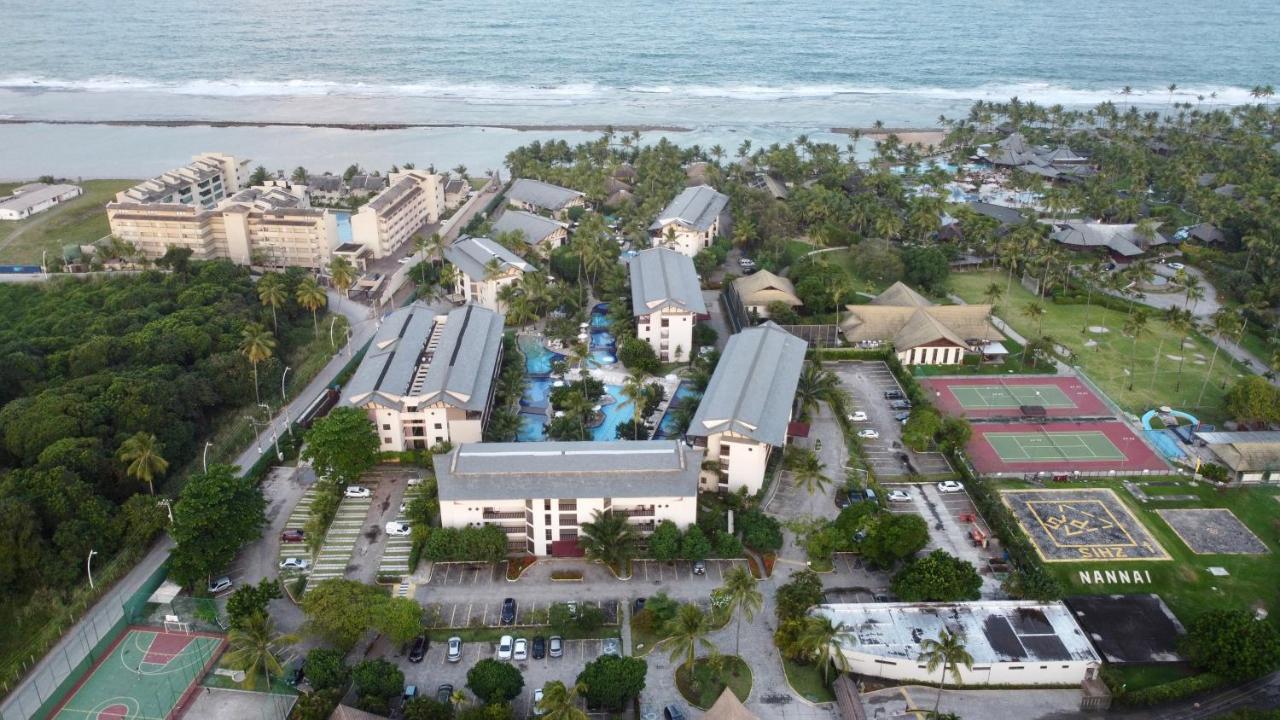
[(216, 513)]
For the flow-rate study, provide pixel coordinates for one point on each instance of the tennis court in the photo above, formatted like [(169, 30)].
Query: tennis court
[(145, 676), (1050, 446), (999, 396), (1095, 448)]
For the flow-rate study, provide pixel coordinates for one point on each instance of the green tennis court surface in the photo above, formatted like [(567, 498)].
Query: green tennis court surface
[(1049, 446), (143, 677), (977, 397)]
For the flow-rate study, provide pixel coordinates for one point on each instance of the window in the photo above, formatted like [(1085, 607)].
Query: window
[(546, 504), (546, 519), (1015, 667), (386, 427), (666, 322), (386, 441), (548, 534), (439, 426)]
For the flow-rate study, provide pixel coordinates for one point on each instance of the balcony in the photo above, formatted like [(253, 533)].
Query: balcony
[(503, 514), (641, 511)]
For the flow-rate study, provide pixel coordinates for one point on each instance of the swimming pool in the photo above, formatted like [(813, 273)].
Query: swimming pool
[(667, 426), (537, 358), (533, 428), (344, 226), (601, 357), (599, 321), (601, 338), (615, 413)]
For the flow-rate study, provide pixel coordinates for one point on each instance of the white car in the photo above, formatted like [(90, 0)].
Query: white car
[(358, 491), (1176, 266), (414, 481), (219, 585), (521, 649), (950, 486), (398, 528), (294, 563), (858, 416), (868, 433), (899, 496), (504, 647), (404, 506), (537, 699)]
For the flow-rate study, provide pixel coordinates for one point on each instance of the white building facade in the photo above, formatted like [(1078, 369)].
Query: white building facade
[(667, 302), (34, 198), (385, 223), (692, 221), (484, 269)]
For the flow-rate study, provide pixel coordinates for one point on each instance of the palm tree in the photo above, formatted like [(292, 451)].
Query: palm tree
[(634, 391), (1181, 322), (258, 344), (947, 652), (254, 648), (1223, 323), (687, 632), (311, 296), (1134, 326), (818, 385), (343, 274), (1035, 311), (271, 292), (740, 589), (141, 453), (807, 469), (993, 294), (610, 539), (1195, 292), (821, 638), (560, 702), (300, 175)]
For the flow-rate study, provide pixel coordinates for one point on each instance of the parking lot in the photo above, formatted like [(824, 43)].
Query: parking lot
[(656, 572), (952, 519), (889, 459), (340, 541), (486, 611)]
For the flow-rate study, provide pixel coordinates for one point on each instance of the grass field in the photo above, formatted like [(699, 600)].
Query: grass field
[(1107, 363), (80, 221), (807, 680), (1184, 581)]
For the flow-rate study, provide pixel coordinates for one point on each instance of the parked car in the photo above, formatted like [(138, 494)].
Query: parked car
[(868, 433), (410, 692), (611, 646), (699, 567), (415, 481), (638, 605), (572, 606), (219, 585), (505, 647), (858, 416), (902, 417), (537, 700), (294, 563), (455, 649), (842, 499), (521, 651), (899, 496), (508, 611), (893, 395), (900, 405), (1176, 266), (555, 646), (673, 712), (950, 486), (296, 675), (539, 647), (444, 694), (357, 491), (419, 650), (293, 535), (869, 495), (396, 527)]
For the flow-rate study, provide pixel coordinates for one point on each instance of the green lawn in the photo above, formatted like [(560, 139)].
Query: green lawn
[(1184, 581), (1014, 362), (1139, 677), (1262, 348), (80, 221), (702, 685), (1155, 380), (807, 680)]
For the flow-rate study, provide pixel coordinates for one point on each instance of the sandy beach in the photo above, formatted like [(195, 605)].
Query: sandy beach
[(918, 136)]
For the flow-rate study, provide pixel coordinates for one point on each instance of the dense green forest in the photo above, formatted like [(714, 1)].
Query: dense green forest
[(109, 387)]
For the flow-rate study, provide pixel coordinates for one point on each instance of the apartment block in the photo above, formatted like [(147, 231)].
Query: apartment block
[(484, 268), (204, 182), (667, 301), (692, 221), (393, 216)]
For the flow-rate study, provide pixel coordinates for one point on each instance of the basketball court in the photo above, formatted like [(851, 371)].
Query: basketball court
[(1060, 448), (145, 676), (1015, 396)]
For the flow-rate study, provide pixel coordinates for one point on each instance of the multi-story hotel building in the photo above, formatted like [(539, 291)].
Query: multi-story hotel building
[(537, 196), (427, 378), (393, 216), (204, 182), (692, 221), (484, 268), (746, 410), (540, 494), (666, 300)]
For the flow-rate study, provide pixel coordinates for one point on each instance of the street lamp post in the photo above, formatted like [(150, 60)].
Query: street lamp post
[(256, 439), (88, 566), (44, 264), (284, 401), (167, 506), (205, 454), (271, 423), (282, 378)]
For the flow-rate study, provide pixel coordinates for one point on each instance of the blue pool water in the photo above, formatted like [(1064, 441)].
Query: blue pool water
[(601, 338), (19, 269), (667, 426), (537, 358), (616, 413), (601, 357), (599, 321), (344, 226), (533, 428)]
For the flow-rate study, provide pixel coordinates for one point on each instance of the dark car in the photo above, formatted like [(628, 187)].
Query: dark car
[(296, 676), (673, 712), (419, 651), (444, 694), (638, 605), (509, 611), (893, 395), (292, 535), (539, 647)]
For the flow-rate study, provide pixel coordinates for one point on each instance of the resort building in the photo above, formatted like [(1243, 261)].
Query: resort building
[(204, 182), (455, 192), (538, 231), (259, 226), (666, 300), (922, 333), (1251, 457), (1012, 642), (484, 268), (692, 221), (746, 410), (760, 289), (1060, 163), (540, 494), (27, 200), (1122, 242), (537, 196), (390, 219), (429, 379), (364, 185), (326, 188)]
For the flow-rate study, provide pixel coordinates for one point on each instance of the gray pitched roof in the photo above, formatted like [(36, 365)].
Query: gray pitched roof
[(413, 356), (753, 387), (540, 194), (471, 255), (695, 208), (1005, 215), (535, 228), (1122, 239), (618, 469), (661, 277)]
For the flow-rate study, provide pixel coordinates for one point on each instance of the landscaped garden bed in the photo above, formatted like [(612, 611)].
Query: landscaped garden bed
[(703, 682)]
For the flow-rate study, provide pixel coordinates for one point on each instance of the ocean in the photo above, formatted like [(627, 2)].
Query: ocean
[(703, 72)]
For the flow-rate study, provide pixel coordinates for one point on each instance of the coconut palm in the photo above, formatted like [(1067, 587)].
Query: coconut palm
[(311, 296), (1035, 311), (1222, 324), (993, 293), (560, 702), (343, 274), (257, 344), (1182, 323), (610, 539), (1134, 326), (271, 293), (818, 385), (807, 469), (254, 648), (744, 598), (141, 455), (687, 632), (633, 389), (1195, 292), (947, 652), (821, 638)]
